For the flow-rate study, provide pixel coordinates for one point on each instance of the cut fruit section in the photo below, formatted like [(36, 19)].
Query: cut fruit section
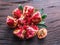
[(28, 10), (17, 13), (11, 22), (36, 17)]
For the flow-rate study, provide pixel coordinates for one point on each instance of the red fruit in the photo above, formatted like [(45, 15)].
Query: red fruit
[(11, 22), (36, 17), (21, 20), (25, 26), (28, 10), (19, 32), (35, 27), (30, 32), (28, 20), (17, 13)]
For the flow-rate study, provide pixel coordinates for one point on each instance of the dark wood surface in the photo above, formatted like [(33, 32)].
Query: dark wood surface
[(51, 7)]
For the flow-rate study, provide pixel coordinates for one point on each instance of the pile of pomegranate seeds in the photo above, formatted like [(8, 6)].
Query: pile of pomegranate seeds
[(24, 22)]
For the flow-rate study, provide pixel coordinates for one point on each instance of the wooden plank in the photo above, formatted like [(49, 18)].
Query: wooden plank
[(51, 7), (13, 0)]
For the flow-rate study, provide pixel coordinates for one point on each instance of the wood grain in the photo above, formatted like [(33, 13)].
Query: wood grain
[(51, 7)]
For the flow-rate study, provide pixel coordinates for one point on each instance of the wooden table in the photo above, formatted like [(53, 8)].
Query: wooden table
[(51, 7)]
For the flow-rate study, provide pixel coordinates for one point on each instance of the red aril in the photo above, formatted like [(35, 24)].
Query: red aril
[(30, 32), (19, 32), (28, 10), (17, 13), (36, 17), (11, 22)]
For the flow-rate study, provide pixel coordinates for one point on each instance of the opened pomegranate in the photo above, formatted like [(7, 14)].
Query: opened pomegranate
[(28, 10), (11, 22), (35, 27), (19, 32), (36, 17), (28, 20), (21, 20), (30, 32), (17, 13), (42, 33)]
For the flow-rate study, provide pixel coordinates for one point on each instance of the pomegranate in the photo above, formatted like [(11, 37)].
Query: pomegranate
[(35, 27), (11, 22), (19, 32), (28, 20), (28, 10), (17, 13), (36, 17), (30, 32), (42, 33), (21, 20)]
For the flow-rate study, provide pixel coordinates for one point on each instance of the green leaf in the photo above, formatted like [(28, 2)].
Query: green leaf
[(44, 16), (41, 26), (42, 11), (42, 22), (20, 7)]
